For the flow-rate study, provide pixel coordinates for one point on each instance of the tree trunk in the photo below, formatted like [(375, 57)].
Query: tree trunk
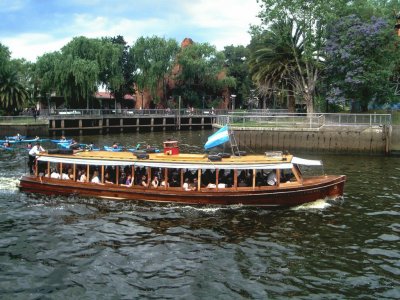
[(291, 101)]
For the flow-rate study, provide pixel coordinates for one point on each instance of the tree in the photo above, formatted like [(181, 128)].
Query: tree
[(361, 57), (237, 64), (201, 73), (127, 69), (311, 18), (152, 58), (13, 94), (273, 63)]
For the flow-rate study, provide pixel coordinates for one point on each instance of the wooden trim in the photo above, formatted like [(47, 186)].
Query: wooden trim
[(87, 173), (117, 175), (182, 173), (148, 177), (61, 167), (102, 174), (296, 173), (133, 176), (198, 179), (254, 179), (36, 168), (166, 177), (48, 169), (216, 178), (235, 175), (74, 171), (278, 177)]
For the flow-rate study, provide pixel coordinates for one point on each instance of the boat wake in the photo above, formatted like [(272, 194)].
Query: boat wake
[(319, 204), (8, 184)]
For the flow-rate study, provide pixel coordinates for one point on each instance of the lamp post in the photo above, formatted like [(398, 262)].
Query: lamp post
[(233, 101)]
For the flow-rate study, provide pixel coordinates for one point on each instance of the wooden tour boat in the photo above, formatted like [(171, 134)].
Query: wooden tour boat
[(271, 180)]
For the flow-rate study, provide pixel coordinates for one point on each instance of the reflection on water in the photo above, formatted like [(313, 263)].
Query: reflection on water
[(69, 247)]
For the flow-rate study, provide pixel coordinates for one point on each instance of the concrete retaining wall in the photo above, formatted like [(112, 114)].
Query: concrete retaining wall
[(329, 139), (27, 130)]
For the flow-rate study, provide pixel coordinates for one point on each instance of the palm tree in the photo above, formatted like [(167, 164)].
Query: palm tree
[(13, 94), (274, 64)]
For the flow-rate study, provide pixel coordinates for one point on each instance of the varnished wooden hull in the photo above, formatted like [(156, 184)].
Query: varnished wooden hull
[(269, 197)]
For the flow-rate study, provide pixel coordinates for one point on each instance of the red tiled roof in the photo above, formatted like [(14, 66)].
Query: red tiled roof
[(109, 96)]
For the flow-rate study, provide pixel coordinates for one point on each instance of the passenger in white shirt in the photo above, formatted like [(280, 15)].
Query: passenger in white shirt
[(95, 178), (55, 175), (35, 150)]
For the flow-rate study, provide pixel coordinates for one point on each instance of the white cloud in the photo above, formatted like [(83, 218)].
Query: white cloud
[(30, 46), (218, 22), (228, 20)]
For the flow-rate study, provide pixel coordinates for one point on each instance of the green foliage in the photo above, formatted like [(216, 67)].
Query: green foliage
[(13, 94), (236, 62), (153, 58), (201, 67)]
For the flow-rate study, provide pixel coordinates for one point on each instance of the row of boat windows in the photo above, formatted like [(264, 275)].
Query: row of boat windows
[(157, 177)]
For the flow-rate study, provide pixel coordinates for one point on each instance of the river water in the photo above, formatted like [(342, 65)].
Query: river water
[(63, 248)]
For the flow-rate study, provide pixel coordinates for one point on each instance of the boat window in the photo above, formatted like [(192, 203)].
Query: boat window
[(174, 177), (287, 176), (244, 178), (42, 167)]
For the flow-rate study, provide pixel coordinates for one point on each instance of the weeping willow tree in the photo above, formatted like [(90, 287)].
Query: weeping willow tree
[(79, 68), (153, 59)]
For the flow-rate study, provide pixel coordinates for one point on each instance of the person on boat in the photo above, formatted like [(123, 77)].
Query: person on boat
[(128, 182), (155, 182), (271, 178), (35, 150), (186, 185), (74, 145), (163, 183), (37, 138), (29, 146), (7, 144), (107, 178), (18, 137), (83, 177), (63, 139), (143, 182), (64, 176), (95, 178), (54, 174), (193, 186), (115, 145)]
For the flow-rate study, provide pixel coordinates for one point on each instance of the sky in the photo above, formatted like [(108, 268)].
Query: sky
[(30, 28)]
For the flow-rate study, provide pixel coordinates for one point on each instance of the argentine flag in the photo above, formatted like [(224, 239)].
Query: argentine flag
[(218, 138)]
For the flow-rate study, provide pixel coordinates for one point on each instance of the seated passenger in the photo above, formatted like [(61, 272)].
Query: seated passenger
[(155, 182), (211, 186), (115, 145), (107, 178), (55, 174), (186, 185), (64, 176), (128, 181), (83, 177), (143, 182), (163, 183), (271, 178), (95, 178)]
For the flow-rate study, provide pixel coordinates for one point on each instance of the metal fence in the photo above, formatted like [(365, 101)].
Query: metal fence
[(312, 121)]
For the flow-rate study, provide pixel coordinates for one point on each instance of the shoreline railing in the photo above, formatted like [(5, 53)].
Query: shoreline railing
[(251, 118), (310, 121)]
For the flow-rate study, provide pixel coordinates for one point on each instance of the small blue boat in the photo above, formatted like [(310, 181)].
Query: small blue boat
[(112, 149), (61, 141)]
